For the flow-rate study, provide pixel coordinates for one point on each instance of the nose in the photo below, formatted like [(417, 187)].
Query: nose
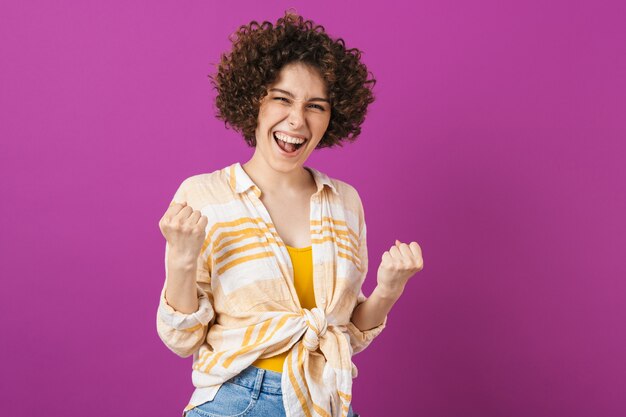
[(296, 117)]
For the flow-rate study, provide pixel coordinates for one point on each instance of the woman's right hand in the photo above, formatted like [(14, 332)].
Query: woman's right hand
[(185, 231)]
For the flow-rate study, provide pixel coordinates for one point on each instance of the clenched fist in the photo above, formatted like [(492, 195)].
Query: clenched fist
[(399, 264), (185, 231)]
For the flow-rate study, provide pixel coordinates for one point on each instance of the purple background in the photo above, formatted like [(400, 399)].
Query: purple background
[(496, 142)]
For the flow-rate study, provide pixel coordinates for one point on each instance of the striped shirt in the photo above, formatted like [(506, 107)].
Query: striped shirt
[(248, 306)]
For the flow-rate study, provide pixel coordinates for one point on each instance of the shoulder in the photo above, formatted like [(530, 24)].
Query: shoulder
[(201, 189), (347, 197), (204, 180), (343, 189), (347, 194)]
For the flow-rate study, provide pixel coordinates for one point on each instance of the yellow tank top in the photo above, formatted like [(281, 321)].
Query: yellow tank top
[(302, 261)]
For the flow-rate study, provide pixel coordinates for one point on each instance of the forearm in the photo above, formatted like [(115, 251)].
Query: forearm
[(185, 308), (180, 291), (372, 312)]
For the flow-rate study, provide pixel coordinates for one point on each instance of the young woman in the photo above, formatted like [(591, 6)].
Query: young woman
[(265, 260)]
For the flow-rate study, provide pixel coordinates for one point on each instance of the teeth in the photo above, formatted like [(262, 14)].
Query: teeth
[(289, 139)]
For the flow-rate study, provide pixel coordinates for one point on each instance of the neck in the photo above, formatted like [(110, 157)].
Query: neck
[(272, 181)]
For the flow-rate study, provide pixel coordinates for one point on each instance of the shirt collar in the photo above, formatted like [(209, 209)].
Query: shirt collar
[(240, 182)]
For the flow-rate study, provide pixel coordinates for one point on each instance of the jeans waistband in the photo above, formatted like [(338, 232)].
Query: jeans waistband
[(259, 380)]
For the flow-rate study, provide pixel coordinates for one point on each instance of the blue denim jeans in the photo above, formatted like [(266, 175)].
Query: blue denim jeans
[(255, 392)]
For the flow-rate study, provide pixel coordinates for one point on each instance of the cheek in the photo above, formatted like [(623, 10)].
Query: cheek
[(269, 116), (262, 117), (322, 124), (264, 111)]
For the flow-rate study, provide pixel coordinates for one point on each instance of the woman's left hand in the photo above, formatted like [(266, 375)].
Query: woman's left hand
[(399, 264)]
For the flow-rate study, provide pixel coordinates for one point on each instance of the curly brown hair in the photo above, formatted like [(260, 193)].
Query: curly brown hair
[(260, 51)]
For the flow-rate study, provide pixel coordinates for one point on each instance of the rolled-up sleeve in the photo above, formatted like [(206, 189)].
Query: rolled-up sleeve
[(360, 339), (181, 321)]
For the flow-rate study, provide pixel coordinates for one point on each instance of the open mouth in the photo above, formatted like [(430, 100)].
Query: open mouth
[(286, 146)]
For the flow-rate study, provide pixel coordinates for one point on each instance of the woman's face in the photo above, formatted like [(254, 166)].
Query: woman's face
[(296, 106)]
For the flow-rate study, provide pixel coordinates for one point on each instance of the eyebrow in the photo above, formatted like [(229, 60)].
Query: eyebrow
[(292, 96)]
